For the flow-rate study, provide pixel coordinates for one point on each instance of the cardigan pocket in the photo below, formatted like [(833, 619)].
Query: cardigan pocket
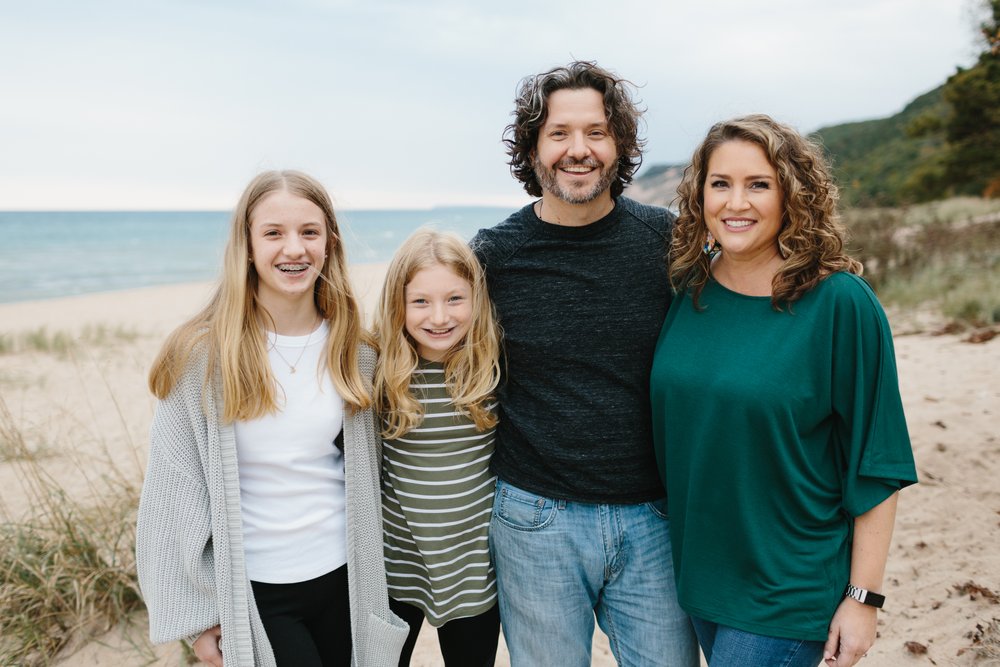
[(382, 643)]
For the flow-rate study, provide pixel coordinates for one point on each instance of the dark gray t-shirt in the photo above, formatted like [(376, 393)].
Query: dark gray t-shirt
[(581, 309)]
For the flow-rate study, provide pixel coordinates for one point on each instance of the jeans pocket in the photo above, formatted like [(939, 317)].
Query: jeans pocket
[(659, 507), (522, 510)]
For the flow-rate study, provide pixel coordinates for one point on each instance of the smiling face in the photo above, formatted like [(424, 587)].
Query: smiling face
[(743, 202), (287, 246), (576, 158), (438, 310)]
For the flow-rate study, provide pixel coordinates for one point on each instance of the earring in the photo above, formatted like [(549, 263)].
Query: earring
[(710, 244)]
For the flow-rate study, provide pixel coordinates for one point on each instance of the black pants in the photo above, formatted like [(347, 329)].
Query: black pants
[(465, 642), (308, 623)]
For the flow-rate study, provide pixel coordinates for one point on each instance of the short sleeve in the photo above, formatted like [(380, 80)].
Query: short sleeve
[(873, 440)]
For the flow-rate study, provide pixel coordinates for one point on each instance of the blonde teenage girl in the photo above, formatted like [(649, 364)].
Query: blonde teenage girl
[(258, 529), (434, 382)]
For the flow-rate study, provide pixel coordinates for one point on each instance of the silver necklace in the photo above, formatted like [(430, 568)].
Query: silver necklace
[(291, 367)]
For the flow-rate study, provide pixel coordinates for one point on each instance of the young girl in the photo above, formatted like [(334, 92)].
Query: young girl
[(434, 382), (259, 517)]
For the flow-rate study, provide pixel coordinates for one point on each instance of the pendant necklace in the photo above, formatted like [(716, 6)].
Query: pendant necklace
[(291, 367)]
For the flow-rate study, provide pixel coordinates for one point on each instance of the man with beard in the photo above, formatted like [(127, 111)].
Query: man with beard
[(579, 280)]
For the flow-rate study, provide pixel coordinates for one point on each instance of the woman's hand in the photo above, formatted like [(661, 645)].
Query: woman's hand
[(852, 633), (206, 647), (852, 630)]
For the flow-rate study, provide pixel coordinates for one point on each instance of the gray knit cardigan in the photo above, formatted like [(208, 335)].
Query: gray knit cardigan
[(189, 540)]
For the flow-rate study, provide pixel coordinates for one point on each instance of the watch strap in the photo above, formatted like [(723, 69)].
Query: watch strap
[(864, 596)]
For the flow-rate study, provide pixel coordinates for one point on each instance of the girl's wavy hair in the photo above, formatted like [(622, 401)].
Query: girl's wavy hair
[(531, 111), (472, 367), (232, 325), (811, 239)]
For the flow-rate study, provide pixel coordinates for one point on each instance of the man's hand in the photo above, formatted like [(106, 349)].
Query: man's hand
[(206, 647), (852, 633)]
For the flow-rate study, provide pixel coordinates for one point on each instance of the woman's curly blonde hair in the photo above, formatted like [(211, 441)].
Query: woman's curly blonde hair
[(811, 239)]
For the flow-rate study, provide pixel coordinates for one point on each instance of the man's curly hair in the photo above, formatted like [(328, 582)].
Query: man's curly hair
[(531, 111), (811, 239)]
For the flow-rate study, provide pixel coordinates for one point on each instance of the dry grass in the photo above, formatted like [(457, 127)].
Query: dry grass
[(986, 643), (67, 571), (15, 446), (63, 343), (944, 256)]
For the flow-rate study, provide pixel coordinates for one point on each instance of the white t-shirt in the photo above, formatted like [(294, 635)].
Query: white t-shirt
[(291, 472)]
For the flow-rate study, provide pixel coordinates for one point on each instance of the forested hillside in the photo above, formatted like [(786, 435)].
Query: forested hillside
[(944, 143), (880, 162)]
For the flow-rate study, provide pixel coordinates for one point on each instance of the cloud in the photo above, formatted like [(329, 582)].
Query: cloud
[(111, 103)]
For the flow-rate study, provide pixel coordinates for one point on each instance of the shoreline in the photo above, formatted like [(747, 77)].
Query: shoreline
[(148, 310)]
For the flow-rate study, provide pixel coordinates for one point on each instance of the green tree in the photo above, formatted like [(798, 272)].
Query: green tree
[(971, 163)]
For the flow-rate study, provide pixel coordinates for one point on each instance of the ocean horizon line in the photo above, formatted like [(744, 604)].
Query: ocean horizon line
[(78, 252), (337, 210)]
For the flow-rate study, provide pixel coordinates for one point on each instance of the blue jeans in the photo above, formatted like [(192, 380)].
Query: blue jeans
[(559, 563), (726, 647)]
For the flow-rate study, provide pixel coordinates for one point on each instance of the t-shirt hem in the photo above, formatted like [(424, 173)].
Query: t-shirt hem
[(452, 615), (800, 634), (576, 496), (299, 576)]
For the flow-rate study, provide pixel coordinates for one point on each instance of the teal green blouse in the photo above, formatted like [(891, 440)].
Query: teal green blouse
[(772, 431)]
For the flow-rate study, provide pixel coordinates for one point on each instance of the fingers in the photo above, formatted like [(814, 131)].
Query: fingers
[(206, 647), (852, 633), (830, 649), (845, 655)]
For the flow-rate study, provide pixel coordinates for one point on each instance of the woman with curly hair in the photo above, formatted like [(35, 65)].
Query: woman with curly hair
[(778, 424)]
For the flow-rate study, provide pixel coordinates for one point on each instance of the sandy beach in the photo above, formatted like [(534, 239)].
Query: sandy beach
[(84, 410)]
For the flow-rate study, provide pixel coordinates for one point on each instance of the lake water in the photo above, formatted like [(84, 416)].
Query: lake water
[(52, 254)]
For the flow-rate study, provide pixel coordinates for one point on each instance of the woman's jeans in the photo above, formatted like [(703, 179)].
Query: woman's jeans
[(727, 647), (559, 563)]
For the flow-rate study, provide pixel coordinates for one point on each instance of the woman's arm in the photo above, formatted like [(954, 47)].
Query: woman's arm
[(175, 561), (852, 630)]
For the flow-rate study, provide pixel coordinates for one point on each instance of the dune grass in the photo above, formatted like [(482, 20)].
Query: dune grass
[(986, 642), (15, 446), (67, 570), (62, 343), (944, 256)]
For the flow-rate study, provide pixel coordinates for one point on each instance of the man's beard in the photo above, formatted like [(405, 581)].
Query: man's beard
[(549, 180)]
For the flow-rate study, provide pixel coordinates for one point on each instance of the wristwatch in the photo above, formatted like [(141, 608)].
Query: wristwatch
[(864, 597)]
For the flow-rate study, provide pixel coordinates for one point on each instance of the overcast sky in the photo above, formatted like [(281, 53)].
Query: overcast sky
[(108, 104)]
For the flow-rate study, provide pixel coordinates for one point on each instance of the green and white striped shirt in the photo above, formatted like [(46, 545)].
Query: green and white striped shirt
[(437, 496)]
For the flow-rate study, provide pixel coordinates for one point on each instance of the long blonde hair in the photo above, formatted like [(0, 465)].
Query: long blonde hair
[(230, 326), (811, 239), (472, 367)]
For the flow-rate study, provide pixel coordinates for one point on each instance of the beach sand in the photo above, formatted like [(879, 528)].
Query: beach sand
[(85, 409)]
